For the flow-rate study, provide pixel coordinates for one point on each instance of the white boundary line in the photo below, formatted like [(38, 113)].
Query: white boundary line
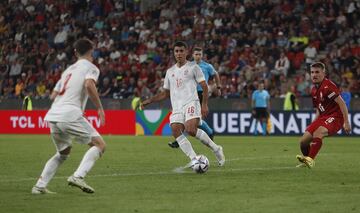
[(160, 173), (175, 171)]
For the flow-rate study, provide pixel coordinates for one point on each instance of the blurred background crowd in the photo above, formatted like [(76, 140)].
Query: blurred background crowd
[(247, 41)]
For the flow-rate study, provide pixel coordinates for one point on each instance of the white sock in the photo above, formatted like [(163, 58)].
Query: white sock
[(185, 146), (50, 169), (88, 161), (206, 140)]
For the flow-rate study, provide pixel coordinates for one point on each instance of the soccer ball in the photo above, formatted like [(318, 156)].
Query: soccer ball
[(200, 164)]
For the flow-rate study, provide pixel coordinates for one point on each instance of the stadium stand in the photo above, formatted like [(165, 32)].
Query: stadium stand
[(247, 42)]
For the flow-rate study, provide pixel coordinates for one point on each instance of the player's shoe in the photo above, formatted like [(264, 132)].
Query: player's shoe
[(220, 156), (40, 190), (80, 183), (308, 161), (174, 144)]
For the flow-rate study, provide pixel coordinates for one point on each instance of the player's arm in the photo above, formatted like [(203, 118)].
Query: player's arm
[(218, 84), (205, 98), (53, 95), (253, 104), (158, 97), (344, 112), (56, 90), (94, 96)]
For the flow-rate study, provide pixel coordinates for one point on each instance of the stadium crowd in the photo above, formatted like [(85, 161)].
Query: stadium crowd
[(247, 41)]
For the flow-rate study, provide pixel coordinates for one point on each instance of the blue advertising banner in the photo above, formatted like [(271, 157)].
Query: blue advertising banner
[(288, 123)]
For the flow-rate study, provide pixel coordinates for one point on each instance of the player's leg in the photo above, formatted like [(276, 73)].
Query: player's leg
[(177, 120), (206, 128), (256, 117), (85, 133), (62, 142), (304, 142), (311, 143), (263, 125), (184, 144), (191, 127), (263, 117), (255, 128), (97, 148), (316, 144), (203, 126)]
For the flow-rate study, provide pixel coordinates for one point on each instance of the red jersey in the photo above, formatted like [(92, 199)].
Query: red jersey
[(323, 98)]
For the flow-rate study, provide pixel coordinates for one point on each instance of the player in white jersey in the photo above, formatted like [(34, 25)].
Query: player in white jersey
[(180, 85), (67, 122)]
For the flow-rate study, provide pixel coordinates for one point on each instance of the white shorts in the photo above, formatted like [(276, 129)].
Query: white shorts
[(62, 133), (187, 112)]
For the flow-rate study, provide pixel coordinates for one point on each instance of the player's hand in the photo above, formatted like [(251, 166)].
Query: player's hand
[(217, 92), (204, 111), (101, 114), (144, 103), (347, 127)]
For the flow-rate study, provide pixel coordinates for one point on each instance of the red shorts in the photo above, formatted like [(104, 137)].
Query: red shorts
[(332, 123)]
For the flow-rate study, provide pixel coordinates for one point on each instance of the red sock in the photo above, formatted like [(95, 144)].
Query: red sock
[(315, 147)]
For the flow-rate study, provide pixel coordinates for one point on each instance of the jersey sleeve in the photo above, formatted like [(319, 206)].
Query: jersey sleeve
[(57, 87), (199, 75), (167, 81), (332, 91), (92, 73), (212, 70), (253, 96)]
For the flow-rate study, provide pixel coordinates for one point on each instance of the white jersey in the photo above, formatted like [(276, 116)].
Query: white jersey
[(182, 83), (70, 103)]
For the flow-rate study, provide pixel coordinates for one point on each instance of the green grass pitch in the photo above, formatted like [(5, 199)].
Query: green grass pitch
[(136, 175)]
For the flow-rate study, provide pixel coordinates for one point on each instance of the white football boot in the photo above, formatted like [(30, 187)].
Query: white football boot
[(220, 156), (80, 183), (40, 190)]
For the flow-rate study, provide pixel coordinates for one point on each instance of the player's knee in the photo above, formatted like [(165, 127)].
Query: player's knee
[(99, 143), (63, 157), (176, 132), (319, 133), (191, 131), (66, 151)]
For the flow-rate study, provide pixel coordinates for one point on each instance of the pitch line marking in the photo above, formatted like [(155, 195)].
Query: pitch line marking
[(171, 172)]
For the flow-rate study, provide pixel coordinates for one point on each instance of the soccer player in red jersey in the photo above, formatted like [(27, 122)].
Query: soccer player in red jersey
[(331, 115)]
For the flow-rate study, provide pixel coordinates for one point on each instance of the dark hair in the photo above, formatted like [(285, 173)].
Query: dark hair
[(198, 49), (318, 64), (180, 44), (82, 46)]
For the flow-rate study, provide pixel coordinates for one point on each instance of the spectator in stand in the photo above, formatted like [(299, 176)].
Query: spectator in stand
[(310, 53), (282, 66), (291, 102), (266, 29)]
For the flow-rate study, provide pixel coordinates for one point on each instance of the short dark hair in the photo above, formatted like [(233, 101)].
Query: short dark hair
[(82, 46), (198, 49), (318, 64), (180, 44)]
